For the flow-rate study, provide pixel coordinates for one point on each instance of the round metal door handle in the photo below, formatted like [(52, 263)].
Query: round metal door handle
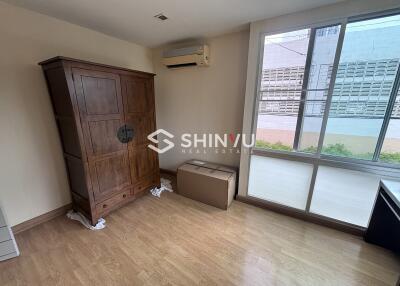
[(125, 134)]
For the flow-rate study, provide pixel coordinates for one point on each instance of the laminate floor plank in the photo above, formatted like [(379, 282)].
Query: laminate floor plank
[(176, 241)]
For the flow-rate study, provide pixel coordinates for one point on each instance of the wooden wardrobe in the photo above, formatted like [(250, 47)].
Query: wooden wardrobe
[(104, 115)]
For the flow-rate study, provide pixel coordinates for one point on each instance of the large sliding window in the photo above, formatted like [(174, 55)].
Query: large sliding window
[(281, 89), (327, 120), (320, 72), (302, 108), (390, 151), (364, 84)]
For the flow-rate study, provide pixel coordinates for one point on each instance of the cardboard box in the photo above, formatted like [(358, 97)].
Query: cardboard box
[(208, 183)]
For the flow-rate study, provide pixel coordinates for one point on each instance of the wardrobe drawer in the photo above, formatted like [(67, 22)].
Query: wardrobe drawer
[(145, 184), (109, 204)]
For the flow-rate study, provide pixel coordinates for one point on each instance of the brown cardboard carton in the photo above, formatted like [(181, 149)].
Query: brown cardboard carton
[(208, 183)]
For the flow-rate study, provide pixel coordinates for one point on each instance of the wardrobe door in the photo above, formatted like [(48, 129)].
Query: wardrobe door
[(138, 95), (102, 116)]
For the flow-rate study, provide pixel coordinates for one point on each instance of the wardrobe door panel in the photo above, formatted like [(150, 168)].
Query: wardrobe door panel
[(100, 94), (142, 126), (142, 160), (103, 136), (111, 176), (139, 97), (101, 111)]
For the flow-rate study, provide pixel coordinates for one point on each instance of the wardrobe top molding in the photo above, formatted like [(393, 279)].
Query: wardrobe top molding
[(55, 61)]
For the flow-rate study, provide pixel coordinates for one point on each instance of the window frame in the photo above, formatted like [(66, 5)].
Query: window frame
[(256, 51), (319, 157), (383, 169)]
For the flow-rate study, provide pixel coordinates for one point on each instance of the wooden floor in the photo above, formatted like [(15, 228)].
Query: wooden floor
[(176, 241)]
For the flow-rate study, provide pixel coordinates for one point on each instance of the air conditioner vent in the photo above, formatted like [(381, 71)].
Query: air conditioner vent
[(187, 56)]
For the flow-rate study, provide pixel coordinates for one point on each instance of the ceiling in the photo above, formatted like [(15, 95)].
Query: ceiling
[(133, 20)]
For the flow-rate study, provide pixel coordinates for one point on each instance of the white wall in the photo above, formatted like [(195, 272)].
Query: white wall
[(312, 17), (32, 172), (203, 99)]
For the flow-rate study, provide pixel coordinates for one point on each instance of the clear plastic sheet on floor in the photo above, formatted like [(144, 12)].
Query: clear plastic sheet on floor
[(165, 186), (101, 223)]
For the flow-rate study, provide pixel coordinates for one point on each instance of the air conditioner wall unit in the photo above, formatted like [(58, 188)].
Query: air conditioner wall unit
[(188, 56)]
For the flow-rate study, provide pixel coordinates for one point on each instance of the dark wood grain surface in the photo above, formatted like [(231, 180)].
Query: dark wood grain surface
[(91, 102)]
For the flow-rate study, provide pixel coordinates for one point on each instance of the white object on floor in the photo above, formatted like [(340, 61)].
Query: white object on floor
[(165, 186), (101, 223), (8, 245)]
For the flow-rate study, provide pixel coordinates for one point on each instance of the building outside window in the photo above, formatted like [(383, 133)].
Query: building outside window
[(364, 81)]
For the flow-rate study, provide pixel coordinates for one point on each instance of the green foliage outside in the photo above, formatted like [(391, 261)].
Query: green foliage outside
[(390, 157), (332, 149), (273, 146)]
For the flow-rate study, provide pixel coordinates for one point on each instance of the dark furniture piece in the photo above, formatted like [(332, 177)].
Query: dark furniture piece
[(104, 115), (384, 226)]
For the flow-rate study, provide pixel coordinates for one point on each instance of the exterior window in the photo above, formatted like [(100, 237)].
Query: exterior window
[(390, 152), (323, 55), (365, 78), (296, 88), (281, 87), (328, 122)]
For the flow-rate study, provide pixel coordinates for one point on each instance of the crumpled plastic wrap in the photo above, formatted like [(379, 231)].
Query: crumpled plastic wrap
[(101, 223), (165, 186)]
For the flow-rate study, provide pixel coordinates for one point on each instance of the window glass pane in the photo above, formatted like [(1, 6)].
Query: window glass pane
[(281, 83), (323, 55), (265, 181), (311, 126), (344, 195), (275, 131), (322, 58), (390, 152), (365, 77)]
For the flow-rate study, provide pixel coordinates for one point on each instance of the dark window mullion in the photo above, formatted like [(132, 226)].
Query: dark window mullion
[(388, 114), (306, 76)]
